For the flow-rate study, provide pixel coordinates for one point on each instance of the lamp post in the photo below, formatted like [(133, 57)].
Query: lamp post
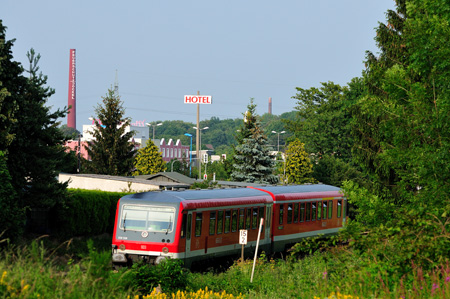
[(282, 132), (154, 126), (200, 149), (190, 153)]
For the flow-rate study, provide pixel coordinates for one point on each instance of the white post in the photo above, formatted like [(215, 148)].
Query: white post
[(256, 249)]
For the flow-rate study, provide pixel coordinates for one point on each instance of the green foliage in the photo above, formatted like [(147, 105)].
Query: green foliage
[(333, 171), (12, 216), (219, 168), (169, 274), (111, 151), (149, 160), (401, 131), (252, 160), (37, 151), (11, 83), (85, 212), (298, 165), (324, 108), (69, 133)]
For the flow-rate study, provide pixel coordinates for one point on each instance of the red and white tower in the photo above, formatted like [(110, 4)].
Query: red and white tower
[(72, 116)]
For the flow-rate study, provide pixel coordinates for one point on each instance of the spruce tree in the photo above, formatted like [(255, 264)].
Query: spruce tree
[(36, 152), (111, 152), (253, 162), (149, 160), (298, 165)]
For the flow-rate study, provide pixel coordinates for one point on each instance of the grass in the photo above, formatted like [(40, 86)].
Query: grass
[(81, 268)]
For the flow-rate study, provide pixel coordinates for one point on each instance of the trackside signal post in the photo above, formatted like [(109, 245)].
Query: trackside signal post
[(198, 99)]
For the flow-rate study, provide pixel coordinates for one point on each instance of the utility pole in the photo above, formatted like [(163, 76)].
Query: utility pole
[(198, 139)]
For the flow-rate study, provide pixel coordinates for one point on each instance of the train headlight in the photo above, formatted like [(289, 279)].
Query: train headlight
[(165, 250), (122, 247)]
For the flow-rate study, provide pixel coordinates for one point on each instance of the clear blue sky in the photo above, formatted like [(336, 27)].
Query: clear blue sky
[(163, 50)]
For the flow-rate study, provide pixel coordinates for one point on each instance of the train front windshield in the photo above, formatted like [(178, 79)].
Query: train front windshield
[(147, 218)]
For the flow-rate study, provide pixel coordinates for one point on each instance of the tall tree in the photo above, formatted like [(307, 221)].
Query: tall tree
[(402, 135), (149, 160), (11, 88), (36, 153), (323, 120), (111, 152), (253, 162), (298, 165)]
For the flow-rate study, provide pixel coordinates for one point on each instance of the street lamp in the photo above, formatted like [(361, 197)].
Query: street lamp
[(154, 126), (190, 153), (200, 149), (282, 132)]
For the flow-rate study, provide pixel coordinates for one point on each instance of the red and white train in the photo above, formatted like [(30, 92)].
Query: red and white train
[(196, 225)]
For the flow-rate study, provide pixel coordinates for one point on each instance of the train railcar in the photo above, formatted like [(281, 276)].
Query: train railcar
[(196, 225), (304, 211)]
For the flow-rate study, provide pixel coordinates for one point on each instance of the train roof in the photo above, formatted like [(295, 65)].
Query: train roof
[(309, 191), (202, 198)]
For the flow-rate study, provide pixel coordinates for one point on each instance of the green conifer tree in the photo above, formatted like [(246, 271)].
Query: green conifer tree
[(253, 162), (111, 152), (149, 160), (298, 165)]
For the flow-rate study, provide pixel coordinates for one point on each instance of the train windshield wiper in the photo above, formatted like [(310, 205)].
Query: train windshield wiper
[(170, 223), (123, 223)]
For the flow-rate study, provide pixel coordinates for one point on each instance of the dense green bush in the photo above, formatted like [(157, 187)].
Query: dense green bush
[(85, 212), (12, 217), (169, 275)]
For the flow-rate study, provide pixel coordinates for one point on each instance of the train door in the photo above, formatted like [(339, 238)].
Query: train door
[(268, 224), (188, 234)]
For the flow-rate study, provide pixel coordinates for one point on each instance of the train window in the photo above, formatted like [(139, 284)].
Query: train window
[(255, 218), (319, 210), (324, 205), (261, 212), (308, 211), (339, 208), (198, 224), (241, 219), (189, 226), (289, 213), (249, 218), (227, 221), (330, 209), (234, 220), (302, 212), (313, 211), (212, 223), (183, 227), (220, 222), (296, 212), (280, 221), (147, 218)]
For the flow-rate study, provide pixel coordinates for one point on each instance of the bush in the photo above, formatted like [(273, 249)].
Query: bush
[(169, 275)]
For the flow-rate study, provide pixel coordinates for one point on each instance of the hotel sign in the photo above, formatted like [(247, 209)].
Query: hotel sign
[(197, 99)]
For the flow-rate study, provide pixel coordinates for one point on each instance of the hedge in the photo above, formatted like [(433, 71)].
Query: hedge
[(85, 212)]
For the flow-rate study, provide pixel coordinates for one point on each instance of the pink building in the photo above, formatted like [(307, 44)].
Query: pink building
[(171, 150), (72, 145)]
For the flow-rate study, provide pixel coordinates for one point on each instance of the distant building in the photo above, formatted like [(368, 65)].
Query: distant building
[(170, 150)]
